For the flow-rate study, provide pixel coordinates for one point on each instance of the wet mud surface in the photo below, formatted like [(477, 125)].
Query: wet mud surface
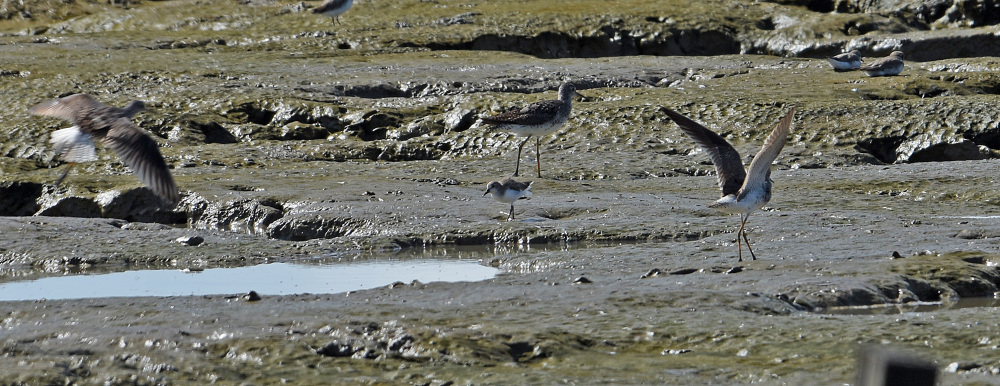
[(297, 141)]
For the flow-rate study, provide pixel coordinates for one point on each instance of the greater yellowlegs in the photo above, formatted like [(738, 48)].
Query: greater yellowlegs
[(536, 119), (743, 190)]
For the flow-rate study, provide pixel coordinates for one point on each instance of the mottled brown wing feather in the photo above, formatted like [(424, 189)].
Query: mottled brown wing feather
[(67, 108), (140, 152), (534, 114), (519, 186), (761, 164), (873, 66), (726, 159), (880, 63)]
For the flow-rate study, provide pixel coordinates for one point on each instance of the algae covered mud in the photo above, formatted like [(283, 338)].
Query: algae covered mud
[(293, 139)]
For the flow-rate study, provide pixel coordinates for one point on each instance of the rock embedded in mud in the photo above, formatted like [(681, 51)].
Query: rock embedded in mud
[(190, 240), (924, 148), (337, 350)]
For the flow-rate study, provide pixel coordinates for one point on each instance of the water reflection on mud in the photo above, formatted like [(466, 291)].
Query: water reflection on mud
[(267, 279), (905, 308)]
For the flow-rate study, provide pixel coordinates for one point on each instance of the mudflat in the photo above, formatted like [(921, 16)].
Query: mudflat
[(294, 140)]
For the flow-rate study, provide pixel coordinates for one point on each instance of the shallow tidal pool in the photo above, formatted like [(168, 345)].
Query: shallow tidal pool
[(265, 279)]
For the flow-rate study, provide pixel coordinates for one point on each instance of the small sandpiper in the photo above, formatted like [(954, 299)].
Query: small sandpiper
[(114, 128), (847, 61), (507, 191), (743, 191), (536, 119), (334, 8), (887, 66)]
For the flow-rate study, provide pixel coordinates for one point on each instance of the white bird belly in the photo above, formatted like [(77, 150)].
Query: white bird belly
[(543, 129), (73, 145), (751, 202), (840, 65), (511, 195)]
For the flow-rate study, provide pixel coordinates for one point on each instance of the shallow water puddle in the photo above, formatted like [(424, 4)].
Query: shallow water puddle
[(266, 279), (895, 309)]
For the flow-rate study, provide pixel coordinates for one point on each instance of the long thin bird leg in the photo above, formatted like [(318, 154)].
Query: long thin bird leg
[(65, 173), (748, 245), (739, 244), (745, 237), (510, 216), (517, 166), (538, 157)]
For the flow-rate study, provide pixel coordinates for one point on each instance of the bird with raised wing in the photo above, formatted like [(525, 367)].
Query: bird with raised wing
[(113, 127), (743, 190)]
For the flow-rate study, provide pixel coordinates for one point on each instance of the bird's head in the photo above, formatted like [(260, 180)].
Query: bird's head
[(134, 108)]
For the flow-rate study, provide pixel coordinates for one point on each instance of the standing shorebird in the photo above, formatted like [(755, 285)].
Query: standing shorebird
[(334, 8), (507, 191), (743, 191), (887, 66), (536, 119), (846, 61), (114, 128)]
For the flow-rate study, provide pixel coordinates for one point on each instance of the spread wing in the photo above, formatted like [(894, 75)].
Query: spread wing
[(726, 159), (141, 154), (761, 164), (66, 108)]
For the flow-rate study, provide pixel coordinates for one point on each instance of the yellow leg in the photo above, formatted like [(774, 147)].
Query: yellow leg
[(743, 231), (739, 244)]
